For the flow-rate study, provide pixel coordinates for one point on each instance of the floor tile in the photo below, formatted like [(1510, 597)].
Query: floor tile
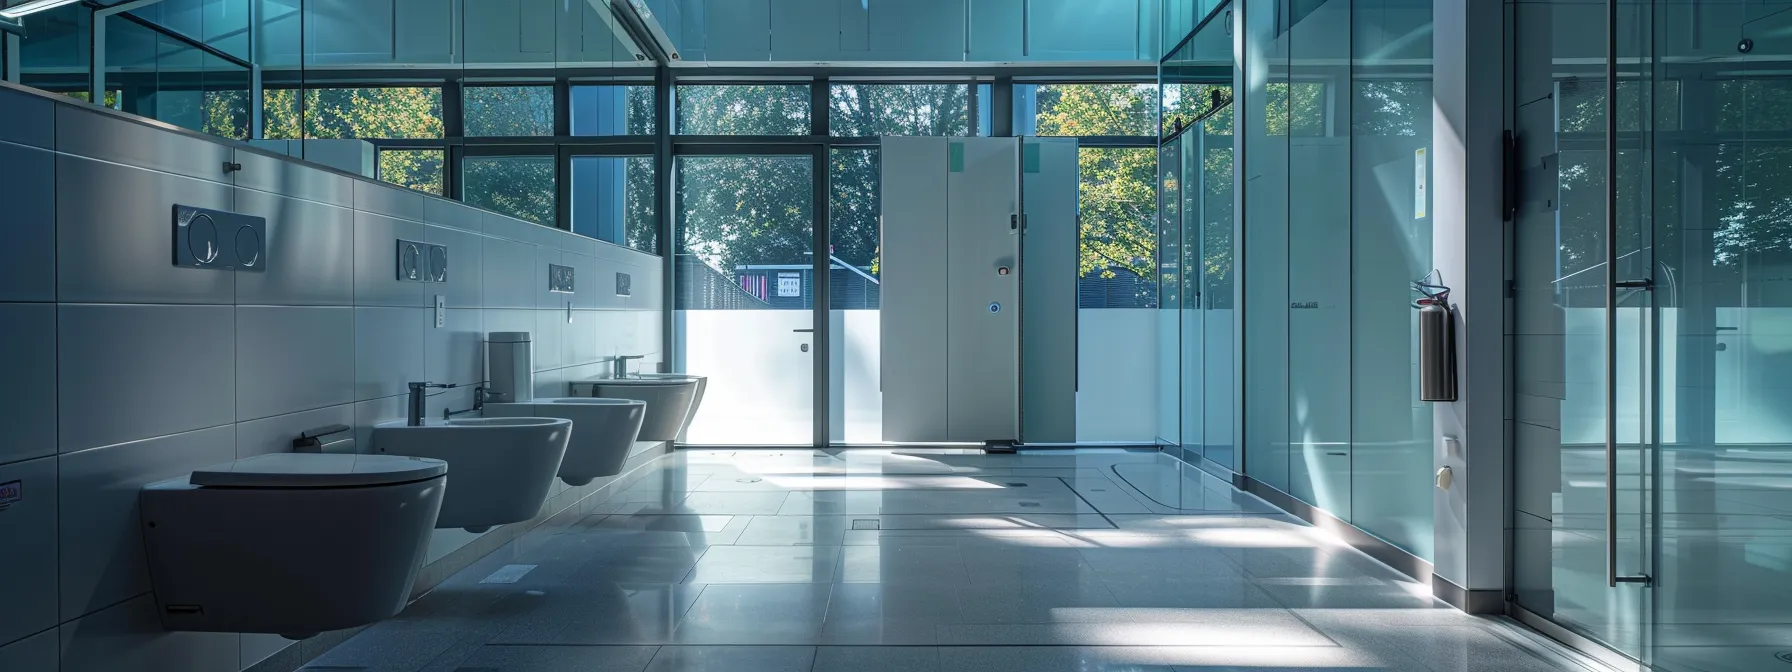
[(732, 659), (756, 614), (877, 659), (954, 560), (559, 659), (767, 564)]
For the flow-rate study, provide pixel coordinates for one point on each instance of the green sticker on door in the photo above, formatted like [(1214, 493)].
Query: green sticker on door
[(1029, 157), (956, 157)]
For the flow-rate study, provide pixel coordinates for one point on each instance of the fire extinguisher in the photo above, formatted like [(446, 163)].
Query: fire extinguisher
[(1437, 340)]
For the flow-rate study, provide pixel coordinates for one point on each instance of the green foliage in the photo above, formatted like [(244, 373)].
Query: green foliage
[(1118, 215), (377, 113), (508, 111), (873, 110)]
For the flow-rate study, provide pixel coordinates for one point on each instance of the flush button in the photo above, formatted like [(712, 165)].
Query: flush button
[(248, 247), (202, 239)]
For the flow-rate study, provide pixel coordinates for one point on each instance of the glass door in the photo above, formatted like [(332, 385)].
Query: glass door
[(748, 294), (1723, 599), (1584, 284)]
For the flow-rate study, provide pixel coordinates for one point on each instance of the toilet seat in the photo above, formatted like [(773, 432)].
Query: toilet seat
[(318, 470)]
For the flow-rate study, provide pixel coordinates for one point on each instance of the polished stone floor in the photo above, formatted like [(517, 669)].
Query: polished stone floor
[(932, 561)]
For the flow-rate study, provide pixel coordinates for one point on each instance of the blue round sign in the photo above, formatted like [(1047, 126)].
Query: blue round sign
[(995, 308)]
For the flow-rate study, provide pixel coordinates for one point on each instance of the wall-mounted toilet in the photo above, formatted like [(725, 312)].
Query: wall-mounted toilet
[(503, 467), (290, 544), (604, 431), (670, 398)]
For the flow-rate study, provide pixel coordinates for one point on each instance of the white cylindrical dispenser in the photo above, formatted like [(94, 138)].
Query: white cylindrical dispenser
[(510, 367)]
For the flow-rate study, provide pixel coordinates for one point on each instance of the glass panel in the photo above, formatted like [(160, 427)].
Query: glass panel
[(1218, 317), (396, 113), (1169, 289), (520, 186), (745, 295), (750, 109), (1085, 109), (508, 111), (419, 169), (1722, 600), (1118, 324), (1560, 335), (1318, 267), (874, 110), (612, 200), (612, 110), (1264, 122), (854, 218)]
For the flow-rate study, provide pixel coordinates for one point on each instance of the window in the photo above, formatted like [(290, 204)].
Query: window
[(872, 110), (520, 186), (612, 200), (1187, 102), (419, 169), (752, 109), (612, 110), (1085, 109), (508, 111), (1117, 240), (394, 113)]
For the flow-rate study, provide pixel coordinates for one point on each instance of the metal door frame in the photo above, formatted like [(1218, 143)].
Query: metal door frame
[(821, 261)]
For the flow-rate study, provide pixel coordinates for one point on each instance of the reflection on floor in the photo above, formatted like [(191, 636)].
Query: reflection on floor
[(868, 561)]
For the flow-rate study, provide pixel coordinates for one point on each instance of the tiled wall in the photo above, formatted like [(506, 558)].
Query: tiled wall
[(124, 369)]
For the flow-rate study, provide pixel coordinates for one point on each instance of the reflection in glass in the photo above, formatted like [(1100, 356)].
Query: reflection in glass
[(419, 169), (875, 110), (743, 109), (508, 111), (519, 186), (612, 200)]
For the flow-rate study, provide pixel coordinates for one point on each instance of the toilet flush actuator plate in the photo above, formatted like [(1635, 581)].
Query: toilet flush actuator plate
[(216, 239)]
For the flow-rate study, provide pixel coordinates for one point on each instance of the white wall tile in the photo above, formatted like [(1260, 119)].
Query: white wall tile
[(376, 261), (582, 339), (509, 319), (113, 138), (591, 286), (275, 434), (456, 352), (291, 358), (539, 278), (506, 273), (111, 254), (33, 654), (466, 252), (370, 413), (550, 338), (383, 199), (28, 259), (388, 350), (443, 212), (28, 565), (28, 399), (134, 372), (27, 119), (310, 252), (266, 173), (130, 637), (100, 536)]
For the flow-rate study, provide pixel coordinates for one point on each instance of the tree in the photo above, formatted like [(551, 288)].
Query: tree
[(404, 113), (1118, 229)]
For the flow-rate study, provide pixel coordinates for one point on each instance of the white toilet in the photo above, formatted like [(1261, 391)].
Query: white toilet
[(503, 468), (604, 431), (290, 544)]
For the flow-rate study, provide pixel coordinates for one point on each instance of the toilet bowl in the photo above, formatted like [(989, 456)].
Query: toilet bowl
[(671, 400), (604, 431), (503, 467), (289, 544)]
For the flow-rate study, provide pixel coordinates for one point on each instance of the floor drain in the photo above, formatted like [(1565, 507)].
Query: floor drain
[(1031, 504), (1015, 485), (867, 524), (748, 480), (1784, 656)]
